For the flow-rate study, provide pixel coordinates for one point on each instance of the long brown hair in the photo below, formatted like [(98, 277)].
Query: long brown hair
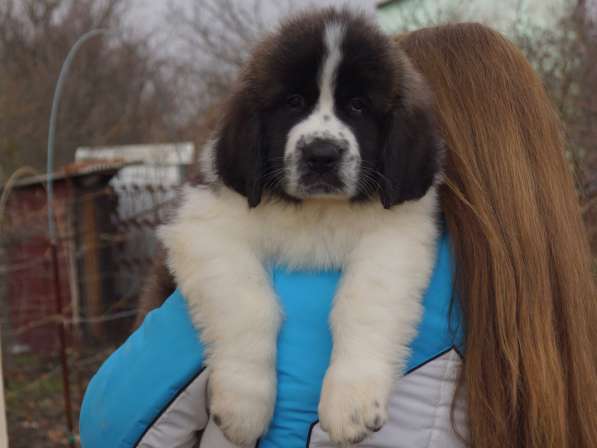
[(523, 272)]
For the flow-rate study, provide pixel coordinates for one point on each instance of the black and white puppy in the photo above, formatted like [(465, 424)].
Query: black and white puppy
[(327, 157)]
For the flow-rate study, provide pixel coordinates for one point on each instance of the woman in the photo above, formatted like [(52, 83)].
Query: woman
[(522, 261), (522, 278)]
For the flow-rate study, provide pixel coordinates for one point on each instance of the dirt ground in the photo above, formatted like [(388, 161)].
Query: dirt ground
[(35, 401)]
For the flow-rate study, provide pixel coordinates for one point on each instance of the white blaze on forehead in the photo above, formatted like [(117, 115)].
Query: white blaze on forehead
[(334, 35), (323, 121)]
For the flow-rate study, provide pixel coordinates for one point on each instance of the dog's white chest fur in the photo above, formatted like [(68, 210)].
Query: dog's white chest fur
[(219, 250), (320, 234)]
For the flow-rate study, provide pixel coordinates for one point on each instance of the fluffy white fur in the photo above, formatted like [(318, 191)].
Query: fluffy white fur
[(220, 250)]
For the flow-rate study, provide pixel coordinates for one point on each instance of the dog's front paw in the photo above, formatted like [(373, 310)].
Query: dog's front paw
[(241, 402), (352, 406)]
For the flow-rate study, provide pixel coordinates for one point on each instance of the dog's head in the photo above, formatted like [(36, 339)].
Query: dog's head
[(328, 107)]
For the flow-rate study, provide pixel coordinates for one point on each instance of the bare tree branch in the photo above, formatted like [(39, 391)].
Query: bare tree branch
[(117, 91), (216, 37)]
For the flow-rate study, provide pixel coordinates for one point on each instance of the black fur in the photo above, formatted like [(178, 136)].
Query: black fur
[(410, 155), (241, 150)]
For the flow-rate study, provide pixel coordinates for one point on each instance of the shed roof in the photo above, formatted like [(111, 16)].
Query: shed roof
[(75, 170)]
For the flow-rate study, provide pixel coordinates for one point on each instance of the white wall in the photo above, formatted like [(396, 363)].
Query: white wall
[(402, 14)]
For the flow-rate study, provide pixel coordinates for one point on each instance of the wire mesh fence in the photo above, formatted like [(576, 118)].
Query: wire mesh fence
[(106, 245)]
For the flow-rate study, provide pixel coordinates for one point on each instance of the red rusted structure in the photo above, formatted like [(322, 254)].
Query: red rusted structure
[(83, 204)]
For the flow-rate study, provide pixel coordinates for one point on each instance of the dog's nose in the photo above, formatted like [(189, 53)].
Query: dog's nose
[(322, 156)]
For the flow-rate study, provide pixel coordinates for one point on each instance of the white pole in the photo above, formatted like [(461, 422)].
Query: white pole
[(3, 433)]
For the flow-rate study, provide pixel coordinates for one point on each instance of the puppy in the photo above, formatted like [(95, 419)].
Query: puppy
[(327, 157)]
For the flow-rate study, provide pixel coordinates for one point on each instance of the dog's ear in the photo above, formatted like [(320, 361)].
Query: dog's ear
[(411, 152), (239, 148)]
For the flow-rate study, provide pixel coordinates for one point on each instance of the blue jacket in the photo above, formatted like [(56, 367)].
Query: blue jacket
[(151, 391)]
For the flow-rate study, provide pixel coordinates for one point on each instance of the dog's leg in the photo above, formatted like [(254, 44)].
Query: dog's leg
[(375, 315), (231, 302)]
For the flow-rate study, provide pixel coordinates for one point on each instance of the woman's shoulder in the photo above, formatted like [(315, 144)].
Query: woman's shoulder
[(146, 373)]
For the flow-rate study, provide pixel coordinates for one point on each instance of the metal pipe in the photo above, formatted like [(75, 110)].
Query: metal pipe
[(52, 228), (54, 117)]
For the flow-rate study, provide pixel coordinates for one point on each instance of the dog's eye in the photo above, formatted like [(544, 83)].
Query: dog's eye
[(357, 105), (295, 102)]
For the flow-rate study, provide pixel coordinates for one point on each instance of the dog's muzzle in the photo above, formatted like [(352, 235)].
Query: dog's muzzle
[(319, 167)]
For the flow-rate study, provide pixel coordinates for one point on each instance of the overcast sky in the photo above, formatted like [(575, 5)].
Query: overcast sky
[(147, 13)]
